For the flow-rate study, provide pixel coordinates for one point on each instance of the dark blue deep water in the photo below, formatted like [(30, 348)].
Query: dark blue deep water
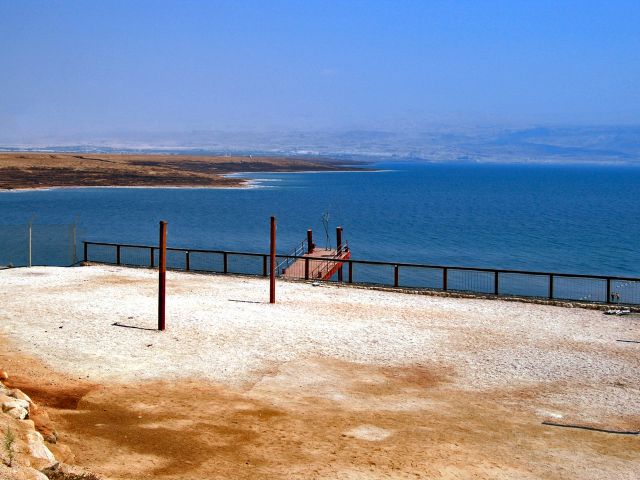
[(558, 218)]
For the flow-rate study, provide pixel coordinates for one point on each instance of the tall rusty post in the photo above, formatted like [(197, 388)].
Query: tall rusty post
[(162, 274), (272, 266), (339, 249), (310, 245)]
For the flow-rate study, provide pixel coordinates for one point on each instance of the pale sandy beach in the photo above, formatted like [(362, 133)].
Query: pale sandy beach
[(331, 382)]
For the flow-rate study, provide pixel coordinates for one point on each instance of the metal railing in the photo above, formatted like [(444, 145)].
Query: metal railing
[(297, 252), (484, 281), (326, 265)]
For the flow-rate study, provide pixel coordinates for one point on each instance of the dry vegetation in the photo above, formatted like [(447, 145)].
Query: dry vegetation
[(41, 170)]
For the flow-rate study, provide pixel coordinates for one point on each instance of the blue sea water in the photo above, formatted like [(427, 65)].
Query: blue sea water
[(552, 218)]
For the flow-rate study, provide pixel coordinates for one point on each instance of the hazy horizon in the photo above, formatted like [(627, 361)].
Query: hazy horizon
[(76, 71)]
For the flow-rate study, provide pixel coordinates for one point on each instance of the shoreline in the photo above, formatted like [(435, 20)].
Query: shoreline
[(109, 187), (26, 171), (244, 183)]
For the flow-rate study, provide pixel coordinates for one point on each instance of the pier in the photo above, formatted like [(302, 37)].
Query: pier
[(316, 263)]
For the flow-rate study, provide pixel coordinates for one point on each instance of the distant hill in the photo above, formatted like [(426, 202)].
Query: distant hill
[(568, 144)]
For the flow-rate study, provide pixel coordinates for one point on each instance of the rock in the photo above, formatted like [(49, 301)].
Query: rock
[(44, 425), (3, 375), (63, 470), (62, 453), (14, 403), (29, 473), (53, 470), (28, 424), (30, 451), (7, 473), (18, 413), (34, 409), (20, 395), (37, 448)]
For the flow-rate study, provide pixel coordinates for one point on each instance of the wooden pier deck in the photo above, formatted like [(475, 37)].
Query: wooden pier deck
[(318, 269)]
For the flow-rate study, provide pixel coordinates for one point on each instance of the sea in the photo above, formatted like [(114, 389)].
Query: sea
[(576, 219)]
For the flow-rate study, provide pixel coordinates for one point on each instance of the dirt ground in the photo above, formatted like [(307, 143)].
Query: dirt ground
[(319, 416)]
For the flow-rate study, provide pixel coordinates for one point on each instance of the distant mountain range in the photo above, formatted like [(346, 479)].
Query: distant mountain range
[(596, 145)]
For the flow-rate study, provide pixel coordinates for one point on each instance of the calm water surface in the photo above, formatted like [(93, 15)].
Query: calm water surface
[(576, 219)]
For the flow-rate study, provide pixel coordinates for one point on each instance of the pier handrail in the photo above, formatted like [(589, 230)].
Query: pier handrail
[(299, 250), (328, 261)]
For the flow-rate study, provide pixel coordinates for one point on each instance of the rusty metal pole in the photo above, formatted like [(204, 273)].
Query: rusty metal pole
[(339, 249), (272, 266), (30, 235), (310, 241), (162, 276)]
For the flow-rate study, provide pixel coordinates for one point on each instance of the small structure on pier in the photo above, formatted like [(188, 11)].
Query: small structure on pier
[(312, 263)]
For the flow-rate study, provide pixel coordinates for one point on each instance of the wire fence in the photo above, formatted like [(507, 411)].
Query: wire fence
[(38, 244), (543, 285)]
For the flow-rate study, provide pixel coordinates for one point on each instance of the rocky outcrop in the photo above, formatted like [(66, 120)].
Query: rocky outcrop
[(26, 435)]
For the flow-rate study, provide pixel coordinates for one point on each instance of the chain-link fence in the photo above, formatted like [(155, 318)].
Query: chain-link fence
[(38, 244)]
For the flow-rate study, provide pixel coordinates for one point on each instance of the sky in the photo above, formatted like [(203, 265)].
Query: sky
[(79, 67)]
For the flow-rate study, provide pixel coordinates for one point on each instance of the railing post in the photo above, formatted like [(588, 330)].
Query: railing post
[(272, 266), (350, 272), (74, 235), (396, 275), (86, 252), (162, 275), (339, 250), (30, 235), (306, 269), (225, 264), (151, 257), (186, 260), (609, 290), (310, 245), (445, 279), (118, 255), (264, 265), (550, 287), (496, 283)]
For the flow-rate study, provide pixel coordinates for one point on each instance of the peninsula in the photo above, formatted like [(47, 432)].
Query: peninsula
[(27, 170)]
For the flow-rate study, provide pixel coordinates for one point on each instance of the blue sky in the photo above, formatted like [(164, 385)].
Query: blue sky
[(158, 66)]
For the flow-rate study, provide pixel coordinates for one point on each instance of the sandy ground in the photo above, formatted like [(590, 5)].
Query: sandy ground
[(331, 382)]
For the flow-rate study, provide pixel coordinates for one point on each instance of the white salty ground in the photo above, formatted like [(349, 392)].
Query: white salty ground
[(222, 328)]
